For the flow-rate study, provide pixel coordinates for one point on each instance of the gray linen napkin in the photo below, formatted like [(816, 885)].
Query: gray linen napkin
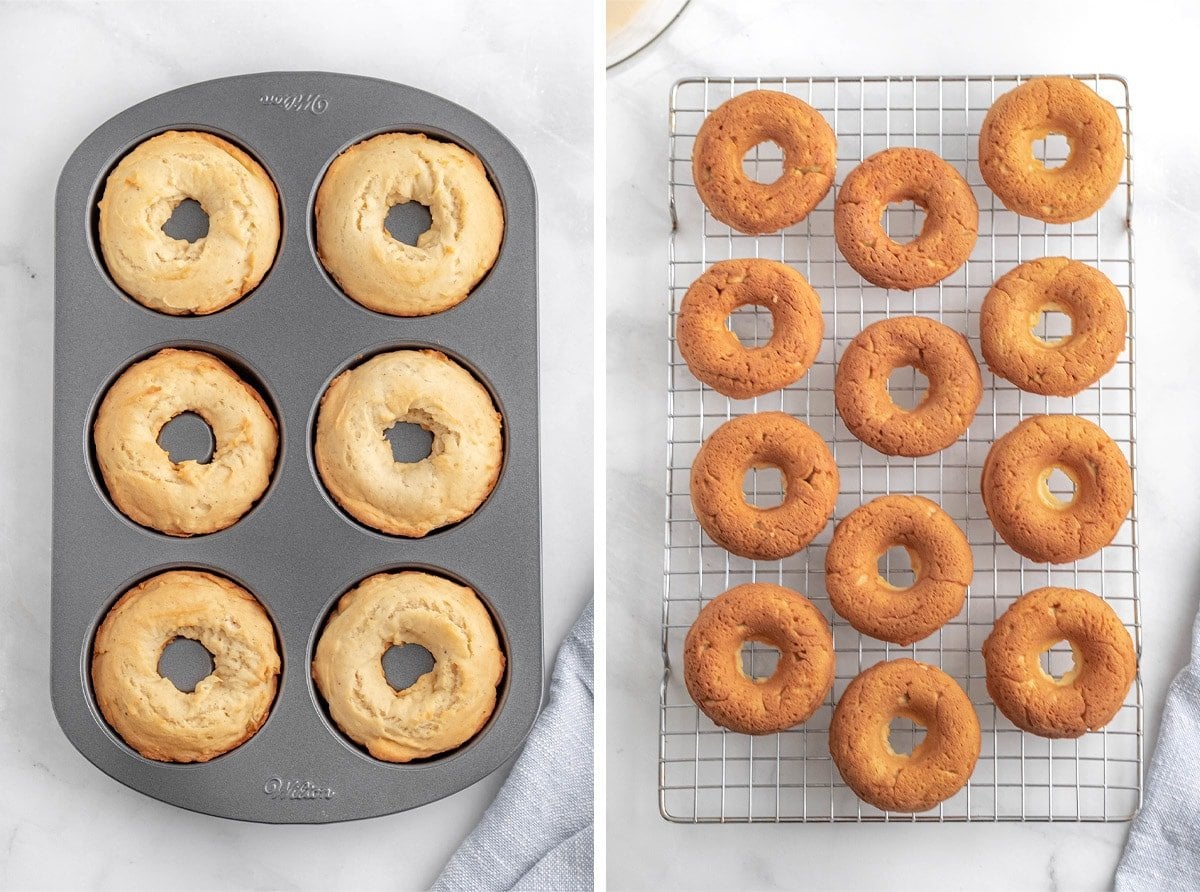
[(1163, 852), (538, 833)]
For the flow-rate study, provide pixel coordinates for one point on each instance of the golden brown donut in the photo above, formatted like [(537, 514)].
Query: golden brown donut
[(1013, 308), (225, 709), (940, 764), (442, 709), (1030, 112), (738, 125), (810, 481), (184, 498), (716, 356), (1024, 511), (941, 561), (1084, 699), (768, 614), (449, 259), (938, 352), (904, 174), (171, 275)]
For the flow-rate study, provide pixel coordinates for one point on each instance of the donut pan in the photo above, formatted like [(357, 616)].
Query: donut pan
[(707, 774), (296, 551)]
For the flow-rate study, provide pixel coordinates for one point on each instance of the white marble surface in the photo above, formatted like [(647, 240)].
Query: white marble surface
[(1152, 45), (67, 67)]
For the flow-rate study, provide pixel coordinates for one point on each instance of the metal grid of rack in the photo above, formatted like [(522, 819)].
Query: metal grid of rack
[(709, 775)]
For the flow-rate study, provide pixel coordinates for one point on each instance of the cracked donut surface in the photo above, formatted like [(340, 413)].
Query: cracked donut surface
[(449, 259), (1085, 698), (1013, 308), (941, 562), (714, 354), (735, 127), (1028, 516), (771, 615), (947, 408), (172, 275), (1032, 111), (895, 175), (442, 709), (184, 498), (938, 766), (226, 708), (764, 439)]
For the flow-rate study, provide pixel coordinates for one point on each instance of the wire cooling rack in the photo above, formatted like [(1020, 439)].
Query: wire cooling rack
[(707, 774)]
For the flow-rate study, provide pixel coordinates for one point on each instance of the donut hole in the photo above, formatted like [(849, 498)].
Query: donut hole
[(897, 568), (185, 663), (188, 222), (905, 735), (408, 221), (763, 162), (1052, 326), (187, 437), (903, 221), (1060, 662), (764, 487), (404, 664), (1053, 150), (752, 326), (1057, 487), (411, 443), (908, 387), (759, 660)]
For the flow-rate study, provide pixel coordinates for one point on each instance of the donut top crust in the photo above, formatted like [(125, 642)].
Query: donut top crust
[(768, 614), (1013, 307), (184, 498), (1084, 699), (900, 174), (355, 458), (147, 710), (449, 259), (736, 126), (1013, 486), (171, 275), (713, 352), (1030, 112), (442, 709)]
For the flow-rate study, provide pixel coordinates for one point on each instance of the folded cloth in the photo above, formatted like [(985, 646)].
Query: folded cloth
[(538, 833), (1163, 851)]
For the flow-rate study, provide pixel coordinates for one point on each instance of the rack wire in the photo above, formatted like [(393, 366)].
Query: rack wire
[(710, 775)]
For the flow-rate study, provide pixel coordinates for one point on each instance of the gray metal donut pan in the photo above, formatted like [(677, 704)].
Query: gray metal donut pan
[(295, 550)]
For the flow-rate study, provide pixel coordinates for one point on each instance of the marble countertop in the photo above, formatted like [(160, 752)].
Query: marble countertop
[(946, 37), (67, 67)]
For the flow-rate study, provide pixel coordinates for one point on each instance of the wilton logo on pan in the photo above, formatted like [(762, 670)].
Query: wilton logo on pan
[(310, 102), (294, 788)]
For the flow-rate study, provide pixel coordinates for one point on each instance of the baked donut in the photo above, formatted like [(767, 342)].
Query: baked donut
[(1014, 306), (226, 708), (1085, 698), (810, 483), (947, 236), (184, 498), (941, 561), (716, 356), (1030, 112), (738, 125), (442, 709), (936, 351), (938, 766), (449, 259), (768, 614), (354, 456), (172, 275), (1028, 516)]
